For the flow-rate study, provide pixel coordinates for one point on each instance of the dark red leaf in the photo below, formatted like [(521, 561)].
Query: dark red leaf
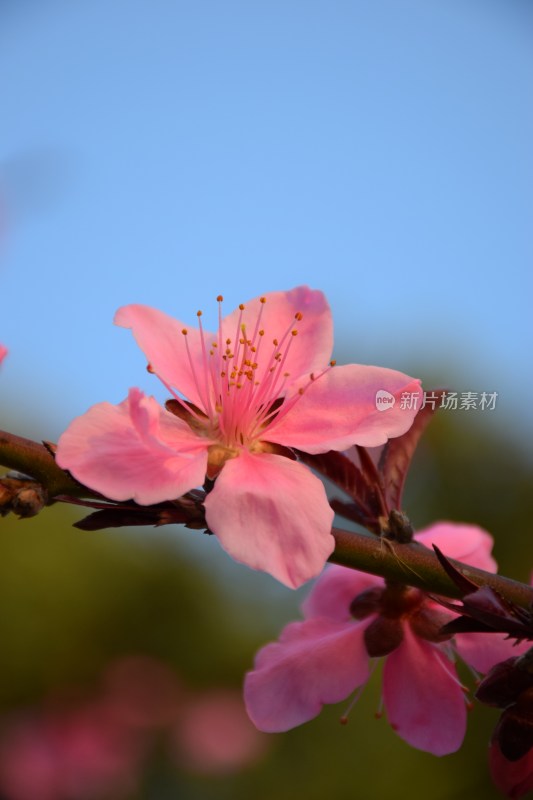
[(397, 454), (355, 513), (348, 477), (462, 583)]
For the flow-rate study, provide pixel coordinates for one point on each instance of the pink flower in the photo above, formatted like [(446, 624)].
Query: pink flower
[(3, 352), (514, 778), (351, 616), (244, 397), (214, 735), (82, 753)]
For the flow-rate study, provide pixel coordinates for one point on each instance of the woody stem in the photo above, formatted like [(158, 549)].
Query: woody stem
[(34, 459), (416, 565), (411, 564)]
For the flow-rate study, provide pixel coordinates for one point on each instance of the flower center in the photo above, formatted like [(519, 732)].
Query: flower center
[(241, 378), (393, 606)]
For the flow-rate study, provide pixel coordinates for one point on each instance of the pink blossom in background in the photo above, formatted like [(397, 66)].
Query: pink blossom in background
[(350, 617), (97, 746), (214, 735), (79, 753), (28, 762), (3, 352), (513, 778), (244, 397)]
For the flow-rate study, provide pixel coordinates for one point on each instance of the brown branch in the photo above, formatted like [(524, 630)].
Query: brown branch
[(410, 563), (416, 565), (34, 459)]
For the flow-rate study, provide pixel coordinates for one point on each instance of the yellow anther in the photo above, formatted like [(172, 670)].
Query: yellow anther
[(219, 298), (298, 316), (332, 363), (184, 331), (228, 341), (294, 333), (300, 391), (241, 307), (262, 299), (275, 342), (222, 374), (261, 333), (150, 369), (198, 313)]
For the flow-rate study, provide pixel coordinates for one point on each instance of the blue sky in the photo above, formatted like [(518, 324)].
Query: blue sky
[(165, 152)]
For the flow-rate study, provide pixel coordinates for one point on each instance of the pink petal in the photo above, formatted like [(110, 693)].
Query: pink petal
[(468, 543), (134, 450), (339, 409), (161, 339), (483, 650), (309, 350), (315, 662), (334, 591), (272, 514), (513, 778), (3, 352), (424, 701)]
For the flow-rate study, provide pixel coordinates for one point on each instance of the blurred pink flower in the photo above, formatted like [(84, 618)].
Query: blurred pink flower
[(96, 747), (3, 352), (242, 396), (28, 762), (80, 753), (351, 616), (215, 736)]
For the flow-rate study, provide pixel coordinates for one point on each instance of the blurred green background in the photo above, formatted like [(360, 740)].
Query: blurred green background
[(71, 602), (165, 152)]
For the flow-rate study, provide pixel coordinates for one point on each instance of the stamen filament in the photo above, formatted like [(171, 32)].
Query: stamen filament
[(209, 407), (195, 377), (180, 400)]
